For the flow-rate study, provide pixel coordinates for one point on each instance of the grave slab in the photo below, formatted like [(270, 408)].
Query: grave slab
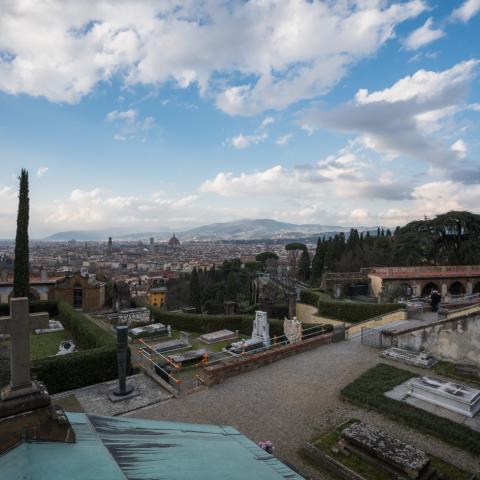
[(419, 359), (53, 326), (190, 356), (218, 336)]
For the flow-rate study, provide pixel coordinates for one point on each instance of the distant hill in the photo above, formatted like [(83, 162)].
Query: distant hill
[(245, 229)]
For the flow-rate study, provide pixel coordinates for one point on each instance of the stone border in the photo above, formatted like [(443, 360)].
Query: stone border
[(217, 373), (323, 460)]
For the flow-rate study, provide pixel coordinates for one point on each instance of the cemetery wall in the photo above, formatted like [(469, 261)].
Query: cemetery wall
[(218, 373), (456, 340), (379, 321)]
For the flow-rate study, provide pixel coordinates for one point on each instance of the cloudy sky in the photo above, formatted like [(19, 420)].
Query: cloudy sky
[(150, 114)]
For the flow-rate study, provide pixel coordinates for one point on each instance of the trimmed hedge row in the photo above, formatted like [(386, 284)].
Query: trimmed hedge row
[(194, 322), (96, 363), (36, 306), (309, 297), (368, 391), (354, 312)]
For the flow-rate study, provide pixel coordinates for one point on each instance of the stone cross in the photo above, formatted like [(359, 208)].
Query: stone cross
[(19, 325)]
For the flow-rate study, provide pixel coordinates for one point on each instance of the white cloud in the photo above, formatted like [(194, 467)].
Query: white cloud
[(42, 171), (423, 36), (62, 49), (466, 11), (283, 139), (91, 208), (133, 127), (460, 148), (242, 141), (405, 119)]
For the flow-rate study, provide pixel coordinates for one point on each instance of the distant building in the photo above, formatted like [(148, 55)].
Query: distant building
[(174, 242), (83, 292), (157, 293), (41, 285)]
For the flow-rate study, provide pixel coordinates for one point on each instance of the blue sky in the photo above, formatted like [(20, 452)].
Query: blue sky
[(149, 114)]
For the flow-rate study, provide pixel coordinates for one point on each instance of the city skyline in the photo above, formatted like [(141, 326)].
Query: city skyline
[(142, 115)]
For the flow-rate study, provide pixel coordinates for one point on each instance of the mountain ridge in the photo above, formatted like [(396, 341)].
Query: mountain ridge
[(243, 229)]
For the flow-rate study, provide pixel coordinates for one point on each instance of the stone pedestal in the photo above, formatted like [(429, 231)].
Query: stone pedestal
[(19, 400)]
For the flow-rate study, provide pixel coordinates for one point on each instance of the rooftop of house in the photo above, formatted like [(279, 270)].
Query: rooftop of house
[(126, 448)]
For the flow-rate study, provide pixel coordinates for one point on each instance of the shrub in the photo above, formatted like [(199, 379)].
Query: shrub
[(354, 312), (97, 362), (368, 391), (193, 322), (309, 297)]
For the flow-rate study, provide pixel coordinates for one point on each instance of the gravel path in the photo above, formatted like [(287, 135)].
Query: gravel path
[(292, 400)]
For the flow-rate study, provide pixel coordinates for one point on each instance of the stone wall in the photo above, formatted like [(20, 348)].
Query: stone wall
[(379, 321), (218, 373), (454, 339)]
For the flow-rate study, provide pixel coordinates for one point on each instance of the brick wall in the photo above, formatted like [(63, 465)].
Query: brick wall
[(218, 373)]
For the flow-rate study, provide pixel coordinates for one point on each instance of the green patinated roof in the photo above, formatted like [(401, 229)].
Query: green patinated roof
[(126, 448)]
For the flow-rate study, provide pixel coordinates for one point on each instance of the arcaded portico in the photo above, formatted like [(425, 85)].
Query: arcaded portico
[(420, 281)]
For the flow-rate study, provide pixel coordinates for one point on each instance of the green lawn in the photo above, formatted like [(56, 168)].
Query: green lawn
[(447, 369), (371, 472), (44, 345), (368, 391)]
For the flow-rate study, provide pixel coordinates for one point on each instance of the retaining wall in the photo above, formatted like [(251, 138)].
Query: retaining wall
[(218, 373)]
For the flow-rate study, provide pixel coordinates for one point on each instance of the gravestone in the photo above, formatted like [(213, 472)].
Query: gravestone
[(22, 394), (189, 356), (154, 329), (452, 396), (259, 340), (260, 330), (175, 344), (53, 326), (367, 440), (420, 359), (218, 336), (293, 330)]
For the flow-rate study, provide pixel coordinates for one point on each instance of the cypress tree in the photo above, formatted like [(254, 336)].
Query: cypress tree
[(21, 276), (304, 266), (195, 295)]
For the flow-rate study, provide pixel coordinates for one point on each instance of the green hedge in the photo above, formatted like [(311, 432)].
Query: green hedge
[(354, 312), (36, 306), (310, 297), (368, 391), (194, 322), (97, 362)]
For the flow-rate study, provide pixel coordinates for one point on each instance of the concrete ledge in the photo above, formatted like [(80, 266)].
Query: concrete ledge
[(329, 463), (217, 373)]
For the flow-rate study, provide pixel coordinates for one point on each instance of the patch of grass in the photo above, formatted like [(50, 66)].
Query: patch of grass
[(447, 369), (449, 470), (368, 391), (46, 344), (369, 471)]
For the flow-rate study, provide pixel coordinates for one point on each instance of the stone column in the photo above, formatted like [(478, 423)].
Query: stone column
[(444, 289), (122, 352), (469, 287), (292, 305)]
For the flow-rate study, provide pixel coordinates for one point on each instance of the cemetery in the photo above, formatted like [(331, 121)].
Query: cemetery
[(359, 451), (370, 390)]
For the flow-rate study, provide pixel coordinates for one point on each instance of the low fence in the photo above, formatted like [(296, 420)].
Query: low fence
[(329, 463)]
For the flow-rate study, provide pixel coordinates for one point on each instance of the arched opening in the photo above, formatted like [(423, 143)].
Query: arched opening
[(77, 296), (456, 288), (428, 288), (406, 289), (476, 288)]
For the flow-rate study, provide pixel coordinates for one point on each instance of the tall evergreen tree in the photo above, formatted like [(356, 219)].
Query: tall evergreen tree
[(21, 276), (317, 262), (195, 294), (304, 266), (231, 288)]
